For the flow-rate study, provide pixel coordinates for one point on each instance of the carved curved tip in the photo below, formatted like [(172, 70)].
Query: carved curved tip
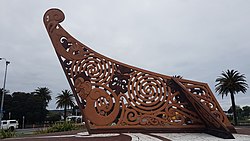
[(53, 15)]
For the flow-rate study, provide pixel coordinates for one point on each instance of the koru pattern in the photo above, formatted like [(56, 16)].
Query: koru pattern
[(114, 96)]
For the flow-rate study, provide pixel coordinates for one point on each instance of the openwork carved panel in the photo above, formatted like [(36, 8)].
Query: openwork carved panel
[(117, 97)]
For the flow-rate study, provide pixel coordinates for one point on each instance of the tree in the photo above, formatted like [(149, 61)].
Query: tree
[(231, 82), (65, 100), (246, 111), (53, 117), (28, 105), (238, 110), (6, 91), (6, 104), (44, 93), (177, 76)]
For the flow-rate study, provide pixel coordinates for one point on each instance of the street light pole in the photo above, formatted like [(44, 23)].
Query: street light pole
[(4, 81)]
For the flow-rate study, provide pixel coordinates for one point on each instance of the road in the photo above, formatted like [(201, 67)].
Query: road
[(27, 131)]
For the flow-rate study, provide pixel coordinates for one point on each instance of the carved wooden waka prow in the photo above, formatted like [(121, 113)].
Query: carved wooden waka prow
[(115, 97)]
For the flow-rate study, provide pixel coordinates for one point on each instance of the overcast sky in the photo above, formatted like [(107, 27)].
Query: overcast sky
[(192, 38)]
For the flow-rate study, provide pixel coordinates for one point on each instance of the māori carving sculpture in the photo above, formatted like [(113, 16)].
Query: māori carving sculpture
[(116, 97)]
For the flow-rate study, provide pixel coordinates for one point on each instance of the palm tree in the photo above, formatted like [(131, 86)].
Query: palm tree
[(65, 100), (44, 93), (231, 82), (177, 76)]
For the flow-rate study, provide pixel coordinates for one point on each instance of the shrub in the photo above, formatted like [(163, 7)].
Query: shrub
[(66, 126), (58, 127), (6, 134)]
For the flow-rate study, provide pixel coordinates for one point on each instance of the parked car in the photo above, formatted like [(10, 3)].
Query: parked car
[(9, 125), (76, 119)]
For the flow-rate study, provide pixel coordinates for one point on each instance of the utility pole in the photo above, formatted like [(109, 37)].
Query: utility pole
[(4, 81)]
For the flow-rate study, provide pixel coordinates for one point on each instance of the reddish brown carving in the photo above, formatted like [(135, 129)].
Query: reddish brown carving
[(115, 97)]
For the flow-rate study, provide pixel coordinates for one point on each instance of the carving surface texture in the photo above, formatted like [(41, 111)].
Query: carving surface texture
[(117, 97)]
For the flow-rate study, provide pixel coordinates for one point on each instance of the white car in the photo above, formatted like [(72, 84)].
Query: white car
[(77, 119), (9, 125)]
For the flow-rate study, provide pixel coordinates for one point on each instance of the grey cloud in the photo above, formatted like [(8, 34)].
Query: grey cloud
[(195, 39)]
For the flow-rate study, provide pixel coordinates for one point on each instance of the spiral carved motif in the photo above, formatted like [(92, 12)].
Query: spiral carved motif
[(100, 107), (52, 17), (146, 93), (113, 95), (99, 70)]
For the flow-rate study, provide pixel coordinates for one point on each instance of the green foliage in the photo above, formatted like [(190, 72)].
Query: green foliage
[(44, 94), (243, 113), (246, 111), (66, 126), (31, 105), (65, 100), (6, 91), (53, 117), (28, 105), (59, 127), (6, 134), (231, 82), (40, 131)]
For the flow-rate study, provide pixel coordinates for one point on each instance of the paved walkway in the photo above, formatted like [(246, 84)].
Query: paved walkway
[(243, 135), (133, 137)]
